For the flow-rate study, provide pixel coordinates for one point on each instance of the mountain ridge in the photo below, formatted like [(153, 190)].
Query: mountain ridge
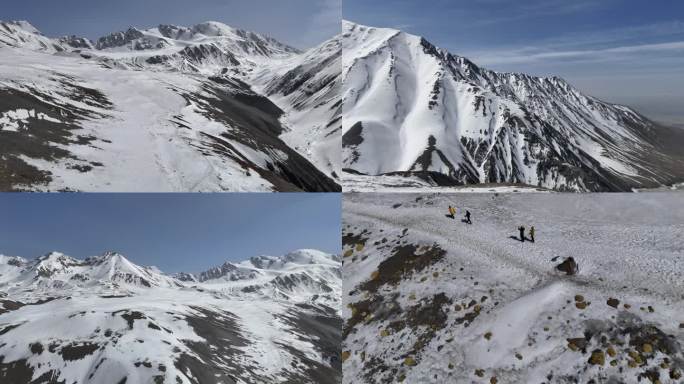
[(201, 100), (105, 318), (441, 113)]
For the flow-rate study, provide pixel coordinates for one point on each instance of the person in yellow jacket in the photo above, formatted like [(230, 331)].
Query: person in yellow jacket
[(532, 233), (452, 212)]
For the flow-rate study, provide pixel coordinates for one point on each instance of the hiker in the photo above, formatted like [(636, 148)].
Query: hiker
[(522, 233), (452, 212), (532, 234), (467, 216)]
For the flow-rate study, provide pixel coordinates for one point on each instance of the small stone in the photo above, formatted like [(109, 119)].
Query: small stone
[(477, 308), (613, 302), (493, 380), (457, 307), (488, 335), (580, 305), (579, 298), (611, 351), (359, 247), (345, 355), (675, 374), (613, 363), (423, 279), (546, 329), (412, 296), (435, 274), (518, 356), (597, 357), (375, 275), (409, 361), (401, 378), (650, 309), (348, 253), (569, 266), (631, 363), (479, 372), (384, 333), (451, 366), (627, 306), (577, 343), (647, 348)]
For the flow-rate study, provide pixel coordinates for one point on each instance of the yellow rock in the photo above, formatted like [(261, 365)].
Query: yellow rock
[(579, 298), (457, 307), (348, 253), (493, 380), (597, 357), (477, 308), (412, 296), (611, 351), (375, 275), (345, 355), (488, 335), (409, 361), (435, 274), (580, 305), (384, 333), (647, 348), (632, 364), (359, 247)]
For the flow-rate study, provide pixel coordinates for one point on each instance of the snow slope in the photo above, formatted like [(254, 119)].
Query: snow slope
[(430, 299), (177, 108), (105, 319), (411, 107)]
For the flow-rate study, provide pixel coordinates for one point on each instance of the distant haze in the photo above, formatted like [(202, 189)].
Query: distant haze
[(622, 51), (300, 23), (175, 232)]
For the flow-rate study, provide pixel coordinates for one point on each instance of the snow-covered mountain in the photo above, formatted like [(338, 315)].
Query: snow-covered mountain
[(105, 319), (171, 108), (413, 109)]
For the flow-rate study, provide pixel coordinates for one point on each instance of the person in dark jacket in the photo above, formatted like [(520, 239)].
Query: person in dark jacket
[(467, 217), (522, 233)]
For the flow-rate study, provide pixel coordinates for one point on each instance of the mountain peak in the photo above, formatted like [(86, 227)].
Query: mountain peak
[(24, 25)]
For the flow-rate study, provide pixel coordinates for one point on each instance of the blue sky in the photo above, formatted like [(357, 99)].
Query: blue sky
[(175, 232), (301, 23), (625, 51)]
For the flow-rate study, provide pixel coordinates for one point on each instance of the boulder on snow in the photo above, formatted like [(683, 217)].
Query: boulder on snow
[(569, 266)]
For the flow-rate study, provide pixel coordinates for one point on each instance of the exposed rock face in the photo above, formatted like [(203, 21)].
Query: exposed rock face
[(77, 42)]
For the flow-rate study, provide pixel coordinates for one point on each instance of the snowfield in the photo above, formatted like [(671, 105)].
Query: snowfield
[(430, 299), (104, 319), (169, 109)]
